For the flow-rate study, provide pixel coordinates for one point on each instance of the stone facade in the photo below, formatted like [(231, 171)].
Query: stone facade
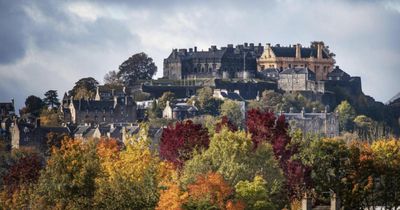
[(299, 79), (316, 57), (179, 111), (226, 62), (326, 124), (120, 109)]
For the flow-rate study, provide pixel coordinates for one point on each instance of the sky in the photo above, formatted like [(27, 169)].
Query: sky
[(51, 44)]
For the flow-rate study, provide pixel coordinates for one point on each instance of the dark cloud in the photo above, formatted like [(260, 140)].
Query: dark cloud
[(13, 37)]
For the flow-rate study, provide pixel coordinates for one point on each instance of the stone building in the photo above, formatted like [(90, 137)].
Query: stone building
[(299, 79), (316, 57), (179, 111), (7, 109), (326, 124), (226, 62), (120, 109), (338, 75), (25, 134)]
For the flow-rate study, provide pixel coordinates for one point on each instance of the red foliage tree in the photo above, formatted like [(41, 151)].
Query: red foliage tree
[(225, 122), (264, 126), (179, 141), (25, 171)]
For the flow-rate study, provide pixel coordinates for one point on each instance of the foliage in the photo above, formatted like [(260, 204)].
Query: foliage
[(153, 111), (138, 67), (51, 99), (166, 96), (209, 191), (255, 194), (179, 141), (225, 123), (206, 102), (112, 79), (84, 88), (68, 181), (33, 105), (130, 178), (232, 155), (232, 110), (50, 117), (386, 155), (265, 127), (346, 116)]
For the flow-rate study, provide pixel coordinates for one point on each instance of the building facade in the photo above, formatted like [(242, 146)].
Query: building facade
[(226, 62), (325, 124), (317, 58), (299, 79)]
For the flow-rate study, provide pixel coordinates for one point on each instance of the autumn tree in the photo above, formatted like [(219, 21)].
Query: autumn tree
[(68, 181), (51, 117), (19, 180), (51, 99), (254, 194), (232, 155), (224, 122), (84, 88), (130, 178), (178, 141), (233, 111), (138, 67), (265, 127), (346, 116)]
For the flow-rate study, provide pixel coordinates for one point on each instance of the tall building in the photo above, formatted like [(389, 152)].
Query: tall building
[(226, 62), (317, 58)]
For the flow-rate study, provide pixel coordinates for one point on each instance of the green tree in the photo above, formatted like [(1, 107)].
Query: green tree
[(51, 99), (84, 88), (138, 67), (364, 126), (33, 105), (346, 116), (232, 110), (255, 194), (233, 155), (112, 79)]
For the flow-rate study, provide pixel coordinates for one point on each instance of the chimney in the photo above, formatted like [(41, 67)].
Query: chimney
[(319, 50), (13, 104), (298, 50), (246, 44), (190, 50), (195, 49)]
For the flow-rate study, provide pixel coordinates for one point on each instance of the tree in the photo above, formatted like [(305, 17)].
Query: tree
[(225, 122), (179, 141), (364, 126), (209, 191), (206, 102), (255, 194), (51, 117), (68, 181), (84, 88), (33, 105), (232, 155), (112, 79), (264, 127), (130, 178), (232, 110), (346, 116), (51, 99), (138, 67), (166, 96)]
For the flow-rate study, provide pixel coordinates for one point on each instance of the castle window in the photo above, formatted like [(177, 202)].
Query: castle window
[(290, 65)]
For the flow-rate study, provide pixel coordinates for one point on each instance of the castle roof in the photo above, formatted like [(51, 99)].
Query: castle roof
[(337, 72), (290, 52)]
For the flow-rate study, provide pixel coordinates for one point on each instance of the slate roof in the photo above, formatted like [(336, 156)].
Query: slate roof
[(93, 105), (232, 96), (337, 72), (184, 107), (290, 52)]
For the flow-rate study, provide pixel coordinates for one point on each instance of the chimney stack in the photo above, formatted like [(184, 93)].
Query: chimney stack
[(195, 49), (319, 50), (298, 51)]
